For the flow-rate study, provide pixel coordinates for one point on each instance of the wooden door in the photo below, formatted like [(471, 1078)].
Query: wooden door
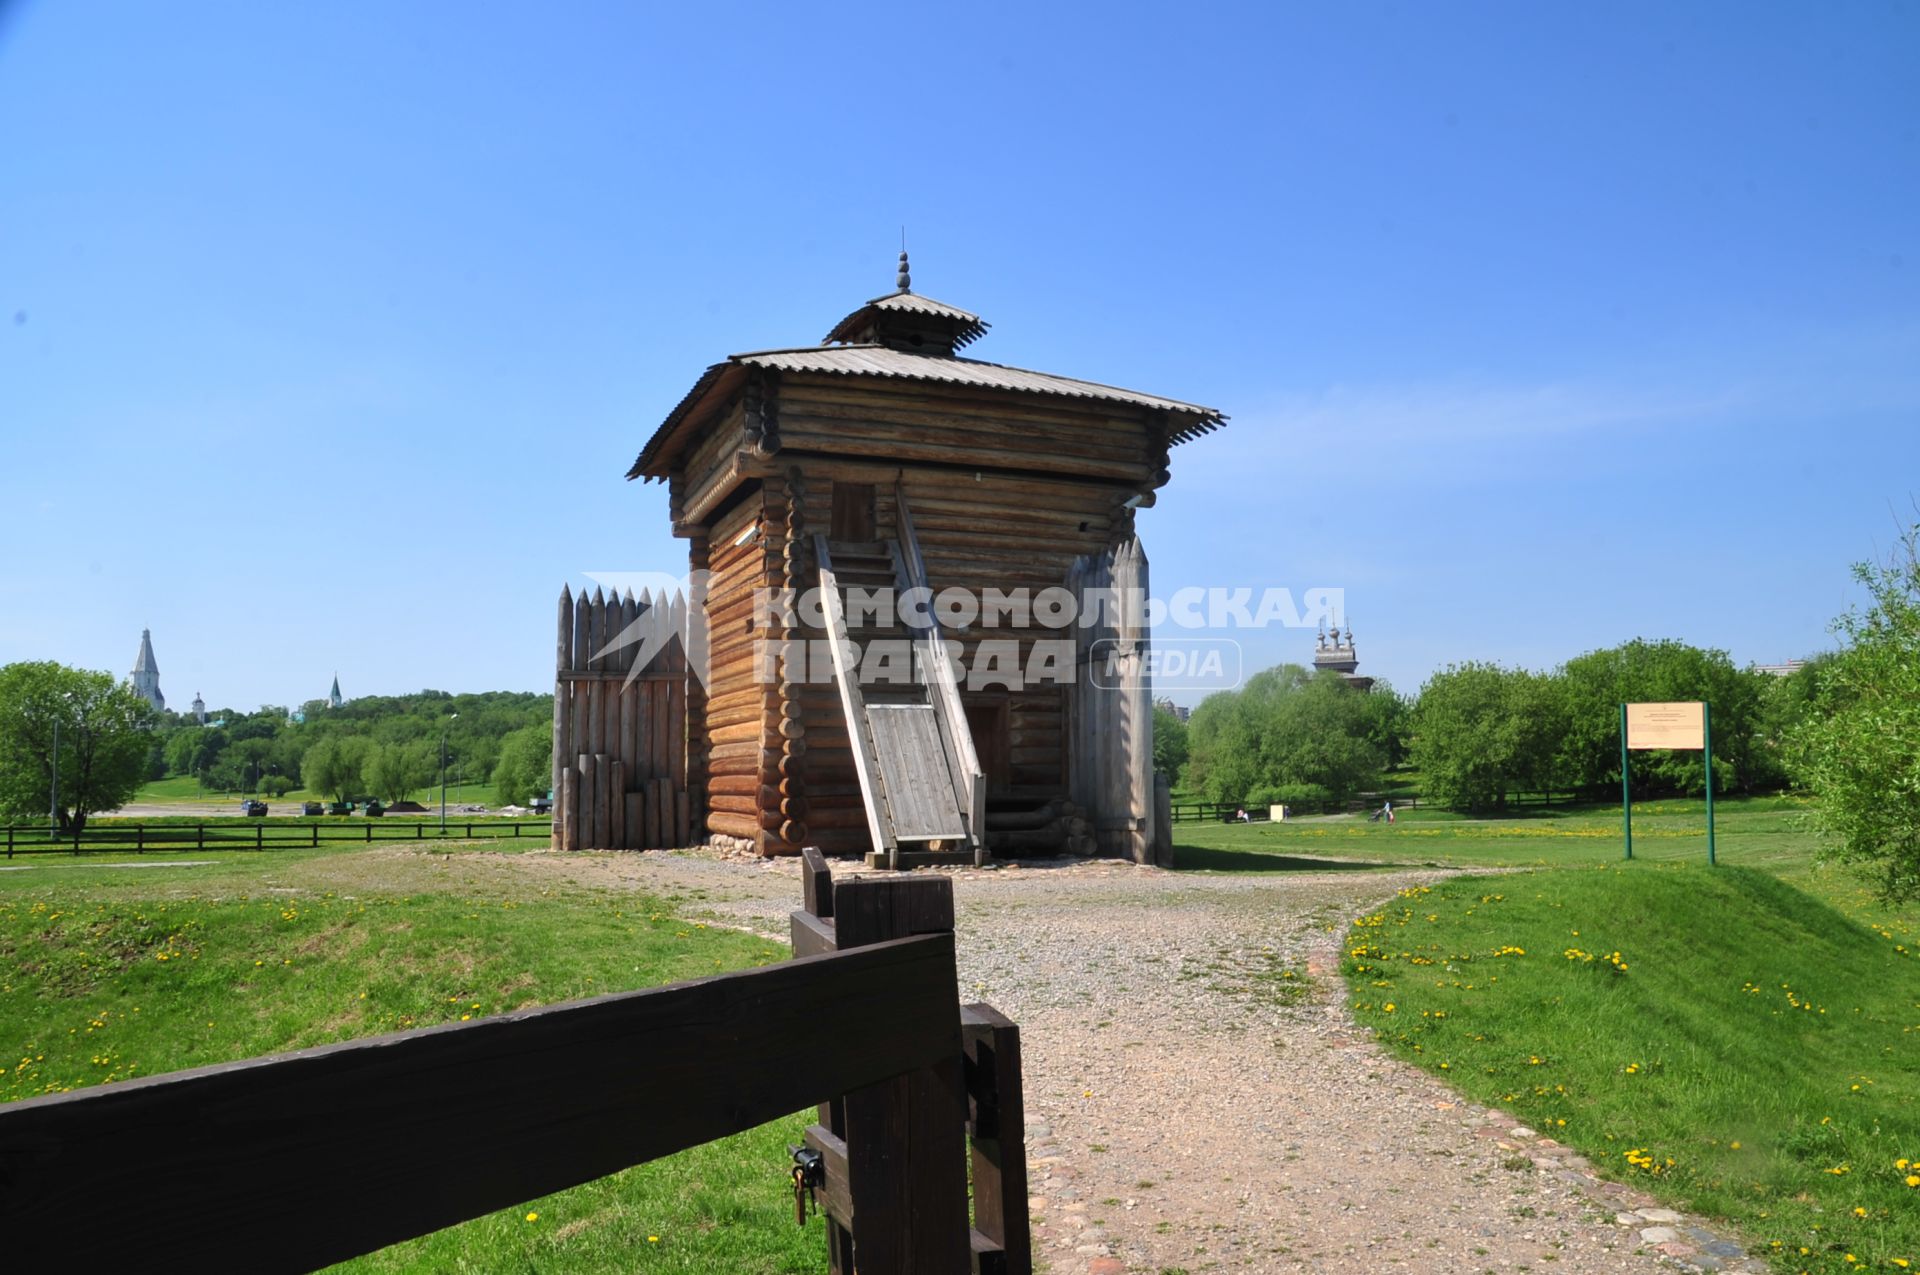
[(987, 721), (852, 512)]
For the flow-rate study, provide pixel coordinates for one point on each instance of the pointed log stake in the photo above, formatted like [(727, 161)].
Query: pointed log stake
[(563, 654)]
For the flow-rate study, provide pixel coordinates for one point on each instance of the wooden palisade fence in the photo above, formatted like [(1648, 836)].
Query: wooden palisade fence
[(1110, 712), (620, 731), (291, 1163)]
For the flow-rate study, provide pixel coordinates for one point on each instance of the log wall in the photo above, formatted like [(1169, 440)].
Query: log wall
[(1006, 491)]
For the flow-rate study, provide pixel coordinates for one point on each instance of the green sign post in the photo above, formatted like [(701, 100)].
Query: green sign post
[(1684, 726)]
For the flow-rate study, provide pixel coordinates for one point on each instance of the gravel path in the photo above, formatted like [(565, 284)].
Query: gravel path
[(1199, 1099)]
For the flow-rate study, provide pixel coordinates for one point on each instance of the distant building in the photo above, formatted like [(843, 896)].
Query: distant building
[(1782, 670), (1177, 710), (333, 697), (146, 674), (199, 709), (1334, 653)]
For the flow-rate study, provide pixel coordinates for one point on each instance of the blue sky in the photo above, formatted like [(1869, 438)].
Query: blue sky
[(327, 332)]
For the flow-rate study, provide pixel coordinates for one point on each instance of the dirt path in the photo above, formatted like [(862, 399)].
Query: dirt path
[(1198, 1098)]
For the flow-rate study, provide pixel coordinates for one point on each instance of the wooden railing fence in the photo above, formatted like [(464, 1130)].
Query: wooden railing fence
[(291, 1163), (249, 834)]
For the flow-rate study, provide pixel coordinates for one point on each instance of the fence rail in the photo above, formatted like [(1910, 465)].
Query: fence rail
[(291, 1163), (238, 834), (1224, 811)]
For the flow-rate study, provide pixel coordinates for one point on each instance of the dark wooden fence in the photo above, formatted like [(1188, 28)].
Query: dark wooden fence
[(248, 834), (291, 1163), (894, 1155)]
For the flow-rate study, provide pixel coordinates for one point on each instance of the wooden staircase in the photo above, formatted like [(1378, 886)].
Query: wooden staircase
[(921, 783)]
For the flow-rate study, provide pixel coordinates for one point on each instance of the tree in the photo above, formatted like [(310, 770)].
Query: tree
[(1388, 717), (1640, 671), (1786, 704), (104, 742), (1481, 732), (1860, 756), (1286, 728), (396, 771), (1170, 744), (525, 768), (335, 766)]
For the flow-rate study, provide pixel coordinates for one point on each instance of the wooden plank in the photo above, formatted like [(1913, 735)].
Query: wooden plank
[(676, 741), (919, 790), (636, 815), (811, 935), (816, 883), (563, 652), (997, 1128), (616, 804), (358, 1134), (906, 1137), (852, 705), (626, 697), (955, 735), (582, 632), (601, 803), (658, 729), (594, 737), (834, 1194), (566, 801)]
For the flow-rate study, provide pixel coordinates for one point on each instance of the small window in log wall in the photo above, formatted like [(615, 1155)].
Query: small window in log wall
[(852, 512)]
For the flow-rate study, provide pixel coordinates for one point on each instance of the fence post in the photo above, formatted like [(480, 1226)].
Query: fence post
[(200, 836), (9, 841), (139, 838), (997, 1127), (316, 836), (260, 836), (906, 1137)]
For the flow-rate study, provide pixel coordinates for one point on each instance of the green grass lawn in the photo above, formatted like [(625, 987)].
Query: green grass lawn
[(1743, 1041), (113, 973)]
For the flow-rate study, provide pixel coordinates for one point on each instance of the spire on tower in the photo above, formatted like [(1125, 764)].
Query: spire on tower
[(146, 673), (905, 279)]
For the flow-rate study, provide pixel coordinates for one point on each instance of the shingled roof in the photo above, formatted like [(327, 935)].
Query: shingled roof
[(858, 347)]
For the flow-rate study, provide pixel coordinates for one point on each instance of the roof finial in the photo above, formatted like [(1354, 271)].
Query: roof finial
[(905, 280)]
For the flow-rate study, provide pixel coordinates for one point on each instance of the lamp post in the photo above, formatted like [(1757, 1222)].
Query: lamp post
[(451, 719)]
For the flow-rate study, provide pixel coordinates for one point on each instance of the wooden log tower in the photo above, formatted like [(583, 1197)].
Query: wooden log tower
[(884, 459)]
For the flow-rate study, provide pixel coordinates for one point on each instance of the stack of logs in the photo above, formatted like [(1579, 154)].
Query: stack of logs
[(1056, 827)]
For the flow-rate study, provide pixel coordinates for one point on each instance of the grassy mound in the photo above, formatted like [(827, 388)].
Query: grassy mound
[(1717, 1036)]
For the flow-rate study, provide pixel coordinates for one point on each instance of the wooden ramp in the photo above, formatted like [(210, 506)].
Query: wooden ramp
[(919, 778)]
